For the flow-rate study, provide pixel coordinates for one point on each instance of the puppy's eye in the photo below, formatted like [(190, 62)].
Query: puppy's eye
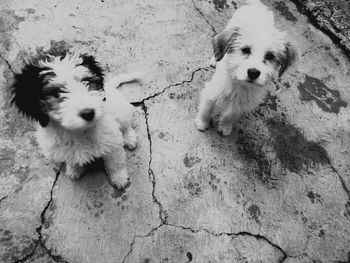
[(56, 93), (269, 56), (246, 50)]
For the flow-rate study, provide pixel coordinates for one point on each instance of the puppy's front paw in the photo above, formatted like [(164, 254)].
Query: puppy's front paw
[(131, 145), (225, 130), (120, 179), (74, 172), (201, 124)]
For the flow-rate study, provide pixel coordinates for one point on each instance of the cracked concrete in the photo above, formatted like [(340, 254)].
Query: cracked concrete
[(332, 17), (277, 190)]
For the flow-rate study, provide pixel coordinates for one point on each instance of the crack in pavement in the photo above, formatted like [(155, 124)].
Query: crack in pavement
[(140, 103), (8, 64), (3, 198), (345, 188), (202, 15), (153, 230), (162, 216), (40, 241), (195, 231), (233, 235), (314, 49)]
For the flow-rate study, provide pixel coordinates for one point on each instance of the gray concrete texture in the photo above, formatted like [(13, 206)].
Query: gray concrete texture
[(331, 16), (277, 190)]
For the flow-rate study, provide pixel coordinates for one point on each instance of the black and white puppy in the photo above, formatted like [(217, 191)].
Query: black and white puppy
[(81, 116), (249, 54)]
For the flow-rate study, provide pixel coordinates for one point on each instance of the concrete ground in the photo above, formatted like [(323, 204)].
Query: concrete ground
[(331, 16), (277, 190)]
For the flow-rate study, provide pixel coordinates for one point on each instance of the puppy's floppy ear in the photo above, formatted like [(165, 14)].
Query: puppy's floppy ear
[(287, 58), (224, 41), (27, 93), (94, 67)]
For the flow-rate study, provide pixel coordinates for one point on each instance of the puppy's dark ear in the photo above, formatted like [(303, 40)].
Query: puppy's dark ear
[(223, 41), (94, 67), (287, 58), (27, 93)]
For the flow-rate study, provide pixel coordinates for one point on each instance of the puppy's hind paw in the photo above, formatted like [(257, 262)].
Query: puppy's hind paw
[(201, 125), (212, 62), (130, 140)]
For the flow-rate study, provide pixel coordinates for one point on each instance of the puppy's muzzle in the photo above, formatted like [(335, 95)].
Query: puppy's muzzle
[(253, 74), (87, 114)]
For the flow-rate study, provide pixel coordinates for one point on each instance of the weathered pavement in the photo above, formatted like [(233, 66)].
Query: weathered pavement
[(277, 190)]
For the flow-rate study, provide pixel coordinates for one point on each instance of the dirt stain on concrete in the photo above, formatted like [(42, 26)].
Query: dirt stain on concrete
[(270, 102), (321, 233), (327, 99), (254, 212), (189, 256), (190, 161), (9, 20), (285, 12), (194, 188), (222, 4), (286, 85), (315, 198), (5, 237), (292, 148), (30, 10), (57, 48)]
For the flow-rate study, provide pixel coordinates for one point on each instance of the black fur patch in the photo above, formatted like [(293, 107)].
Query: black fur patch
[(223, 42), (95, 69), (27, 93), (286, 58)]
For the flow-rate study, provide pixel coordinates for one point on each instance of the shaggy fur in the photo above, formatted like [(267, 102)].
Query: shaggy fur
[(81, 118), (250, 53)]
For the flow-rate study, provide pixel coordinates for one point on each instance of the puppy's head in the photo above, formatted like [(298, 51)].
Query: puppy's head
[(256, 52), (65, 89)]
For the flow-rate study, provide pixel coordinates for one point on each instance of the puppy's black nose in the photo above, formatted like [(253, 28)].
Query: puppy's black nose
[(253, 73), (87, 114)]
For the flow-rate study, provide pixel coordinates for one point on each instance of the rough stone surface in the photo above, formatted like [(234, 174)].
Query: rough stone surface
[(277, 190), (333, 17), (171, 244)]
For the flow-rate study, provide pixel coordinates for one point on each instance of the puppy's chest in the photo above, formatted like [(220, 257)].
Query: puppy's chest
[(78, 147), (241, 97)]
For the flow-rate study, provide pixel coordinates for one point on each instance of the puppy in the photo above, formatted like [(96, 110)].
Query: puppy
[(249, 54), (81, 116)]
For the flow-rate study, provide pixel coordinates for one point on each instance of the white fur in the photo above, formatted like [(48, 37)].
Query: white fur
[(71, 139), (231, 92)]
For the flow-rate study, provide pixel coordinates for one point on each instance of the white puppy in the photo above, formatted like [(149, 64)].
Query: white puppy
[(250, 53), (81, 117)]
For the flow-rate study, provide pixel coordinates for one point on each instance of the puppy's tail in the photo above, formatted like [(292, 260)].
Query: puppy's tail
[(117, 81)]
